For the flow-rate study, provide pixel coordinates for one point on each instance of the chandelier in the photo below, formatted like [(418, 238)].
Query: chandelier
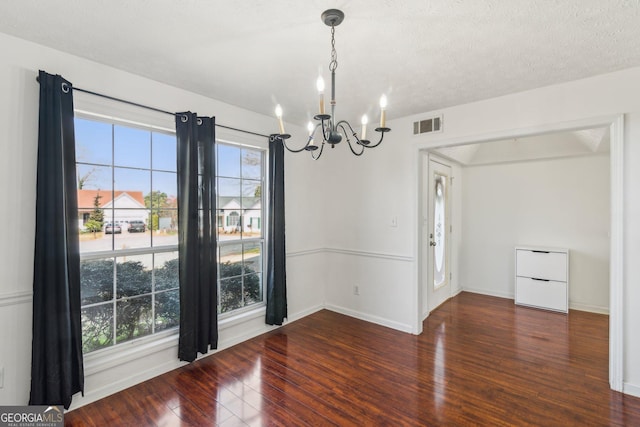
[(330, 129)]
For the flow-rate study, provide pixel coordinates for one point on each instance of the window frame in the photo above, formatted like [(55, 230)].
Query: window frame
[(113, 253), (226, 137), (90, 107)]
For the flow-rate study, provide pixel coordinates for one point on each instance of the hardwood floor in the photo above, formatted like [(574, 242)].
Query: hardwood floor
[(480, 361)]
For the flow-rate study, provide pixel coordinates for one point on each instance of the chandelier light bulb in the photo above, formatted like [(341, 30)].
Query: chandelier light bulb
[(279, 116), (364, 122), (310, 128), (383, 102), (320, 86), (383, 111)]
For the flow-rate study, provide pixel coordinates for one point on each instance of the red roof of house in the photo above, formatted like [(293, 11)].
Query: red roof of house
[(86, 197)]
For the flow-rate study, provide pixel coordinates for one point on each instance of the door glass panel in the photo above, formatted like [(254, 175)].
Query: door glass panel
[(439, 231)]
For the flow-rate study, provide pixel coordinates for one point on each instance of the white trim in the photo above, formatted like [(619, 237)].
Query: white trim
[(589, 308), (572, 306), (304, 313), (402, 327), (616, 270), (505, 295), (108, 358), (616, 276), (119, 385), (420, 312), (304, 252), (16, 298), (601, 121), (353, 252), (367, 254), (631, 389)]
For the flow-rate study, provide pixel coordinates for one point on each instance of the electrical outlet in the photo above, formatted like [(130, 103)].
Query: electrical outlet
[(356, 290), (394, 222)]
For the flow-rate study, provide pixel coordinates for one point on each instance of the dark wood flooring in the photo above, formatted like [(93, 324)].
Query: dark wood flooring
[(480, 361)]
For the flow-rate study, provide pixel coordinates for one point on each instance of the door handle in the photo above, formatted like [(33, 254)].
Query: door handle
[(432, 243)]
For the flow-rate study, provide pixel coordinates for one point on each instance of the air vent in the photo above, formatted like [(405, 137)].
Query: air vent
[(434, 124)]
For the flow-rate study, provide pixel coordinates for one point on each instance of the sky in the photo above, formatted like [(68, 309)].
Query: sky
[(142, 160)]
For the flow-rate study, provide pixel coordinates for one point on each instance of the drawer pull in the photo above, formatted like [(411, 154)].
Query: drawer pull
[(539, 280), (541, 252)]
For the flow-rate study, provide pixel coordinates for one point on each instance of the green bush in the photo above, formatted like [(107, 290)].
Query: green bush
[(240, 287)]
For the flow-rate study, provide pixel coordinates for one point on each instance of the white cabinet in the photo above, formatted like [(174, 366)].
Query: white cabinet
[(542, 278)]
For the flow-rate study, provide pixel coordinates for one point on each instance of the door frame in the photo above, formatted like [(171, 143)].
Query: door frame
[(616, 265)]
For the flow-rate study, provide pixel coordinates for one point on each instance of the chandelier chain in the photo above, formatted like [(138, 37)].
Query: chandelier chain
[(334, 55), (332, 131)]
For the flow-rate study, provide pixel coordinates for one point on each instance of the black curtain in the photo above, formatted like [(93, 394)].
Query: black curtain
[(57, 371), (197, 236), (276, 255)]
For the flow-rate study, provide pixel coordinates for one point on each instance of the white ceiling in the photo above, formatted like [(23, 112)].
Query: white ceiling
[(425, 55)]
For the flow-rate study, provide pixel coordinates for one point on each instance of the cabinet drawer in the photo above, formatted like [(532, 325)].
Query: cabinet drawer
[(541, 265), (551, 295)]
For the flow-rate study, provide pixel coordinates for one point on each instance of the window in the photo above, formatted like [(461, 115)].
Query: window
[(240, 180), (127, 213)]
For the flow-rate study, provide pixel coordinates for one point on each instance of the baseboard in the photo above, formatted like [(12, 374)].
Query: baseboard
[(589, 308), (631, 389), (109, 389), (304, 313), (372, 319), (488, 293), (572, 305)]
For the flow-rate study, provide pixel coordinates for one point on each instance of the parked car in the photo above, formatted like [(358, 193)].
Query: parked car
[(137, 226), (112, 228)]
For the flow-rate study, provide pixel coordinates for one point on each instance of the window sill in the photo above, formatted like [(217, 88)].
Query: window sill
[(112, 357), (225, 322)]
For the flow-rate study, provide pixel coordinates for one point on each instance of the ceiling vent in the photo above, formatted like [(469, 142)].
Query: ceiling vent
[(434, 124)]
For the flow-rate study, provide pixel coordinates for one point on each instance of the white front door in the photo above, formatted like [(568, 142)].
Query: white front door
[(438, 286)]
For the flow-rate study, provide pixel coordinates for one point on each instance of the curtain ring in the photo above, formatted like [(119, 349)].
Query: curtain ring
[(199, 121), (65, 87), (184, 118)]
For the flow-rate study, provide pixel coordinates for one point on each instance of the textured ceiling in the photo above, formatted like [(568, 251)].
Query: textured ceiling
[(425, 55)]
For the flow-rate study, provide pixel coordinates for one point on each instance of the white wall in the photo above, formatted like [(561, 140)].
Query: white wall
[(18, 143), (363, 193), (559, 203), (556, 107)]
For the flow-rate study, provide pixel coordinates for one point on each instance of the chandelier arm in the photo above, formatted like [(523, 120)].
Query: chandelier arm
[(319, 152), (341, 124), (293, 150), (380, 141)]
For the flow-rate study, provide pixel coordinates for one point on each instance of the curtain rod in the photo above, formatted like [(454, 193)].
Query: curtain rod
[(158, 110)]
